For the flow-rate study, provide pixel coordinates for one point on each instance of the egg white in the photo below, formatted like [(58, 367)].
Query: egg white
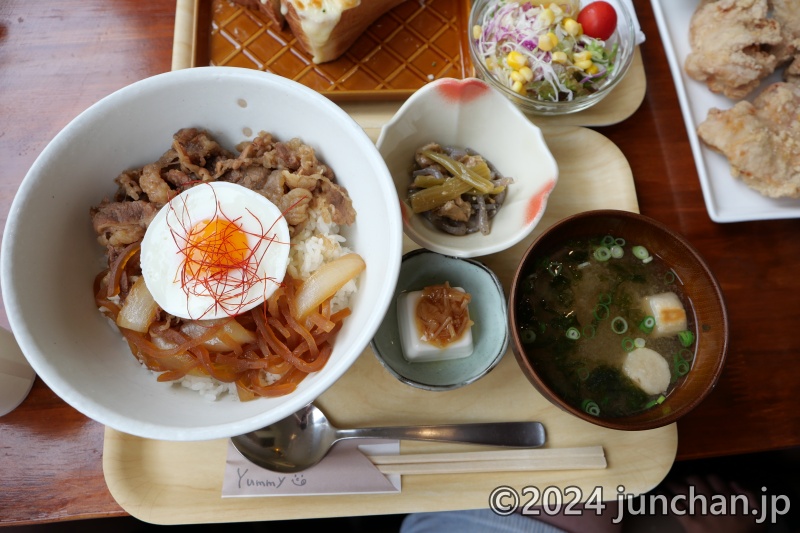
[(163, 262)]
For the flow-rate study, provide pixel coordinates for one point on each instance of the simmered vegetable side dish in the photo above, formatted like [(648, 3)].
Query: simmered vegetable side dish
[(457, 190)]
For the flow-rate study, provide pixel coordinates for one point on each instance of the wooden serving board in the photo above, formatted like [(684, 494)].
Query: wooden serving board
[(179, 483), (403, 50)]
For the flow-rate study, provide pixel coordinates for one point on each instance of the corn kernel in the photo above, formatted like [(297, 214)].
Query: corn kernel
[(518, 88), (515, 60), (584, 65), (573, 27), (548, 41), (582, 56), (559, 57), (527, 73), (476, 31), (594, 69), (516, 76), (546, 17)]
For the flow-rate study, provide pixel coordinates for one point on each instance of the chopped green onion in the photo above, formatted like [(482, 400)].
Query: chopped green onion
[(608, 241), (617, 251), (647, 324), (589, 331), (686, 337), (527, 336), (619, 241), (669, 277), (657, 401), (590, 407), (680, 364), (604, 299), (640, 252), (573, 333), (619, 325), (639, 342), (601, 253), (601, 311), (627, 344), (686, 354)]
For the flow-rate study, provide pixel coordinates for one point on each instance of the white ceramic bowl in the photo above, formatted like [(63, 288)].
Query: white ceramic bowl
[(50, 255), (470, 114)]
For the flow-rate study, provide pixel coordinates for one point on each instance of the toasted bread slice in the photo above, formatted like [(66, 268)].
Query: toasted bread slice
[(327, 28)]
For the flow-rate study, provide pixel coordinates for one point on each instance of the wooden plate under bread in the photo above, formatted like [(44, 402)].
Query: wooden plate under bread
[(400, 52)]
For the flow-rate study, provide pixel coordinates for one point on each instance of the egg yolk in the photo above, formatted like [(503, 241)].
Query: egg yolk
[(215, 247)]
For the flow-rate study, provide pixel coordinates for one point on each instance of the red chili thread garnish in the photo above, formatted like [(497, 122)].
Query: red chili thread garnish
[(220, 259)]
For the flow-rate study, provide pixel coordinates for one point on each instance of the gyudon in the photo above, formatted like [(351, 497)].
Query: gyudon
[(227, 273)]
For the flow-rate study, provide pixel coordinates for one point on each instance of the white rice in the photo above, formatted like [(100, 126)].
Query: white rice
[(319, 242)]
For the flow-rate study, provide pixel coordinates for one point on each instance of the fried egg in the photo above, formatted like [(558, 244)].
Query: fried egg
[(215, 250)]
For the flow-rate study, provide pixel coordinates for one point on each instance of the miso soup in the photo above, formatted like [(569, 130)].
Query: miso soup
[(607, 325)]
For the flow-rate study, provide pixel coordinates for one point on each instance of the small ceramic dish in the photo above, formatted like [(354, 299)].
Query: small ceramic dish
[(487, 309), (470, 114), (623, 41)]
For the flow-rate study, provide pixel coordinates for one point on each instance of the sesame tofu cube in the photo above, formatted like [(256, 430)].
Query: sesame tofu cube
[(415, 348)]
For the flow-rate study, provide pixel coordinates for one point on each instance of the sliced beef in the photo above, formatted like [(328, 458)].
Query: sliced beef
[(122, 223), (338, 201)]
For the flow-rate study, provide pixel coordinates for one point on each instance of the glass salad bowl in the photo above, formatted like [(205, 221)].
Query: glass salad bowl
[(539, 58)]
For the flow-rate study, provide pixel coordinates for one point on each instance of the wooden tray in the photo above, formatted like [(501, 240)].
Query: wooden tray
[(178, 483), (412, 44)]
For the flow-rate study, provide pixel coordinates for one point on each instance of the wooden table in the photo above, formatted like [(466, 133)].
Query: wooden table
[(57, 58)]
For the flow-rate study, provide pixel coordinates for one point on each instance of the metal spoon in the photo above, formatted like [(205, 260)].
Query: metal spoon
[(301, 440)]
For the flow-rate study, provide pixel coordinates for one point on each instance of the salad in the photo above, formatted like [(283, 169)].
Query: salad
[(543, 52)]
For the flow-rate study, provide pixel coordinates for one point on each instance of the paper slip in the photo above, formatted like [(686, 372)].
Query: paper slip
[(636, 26), (345, 470)]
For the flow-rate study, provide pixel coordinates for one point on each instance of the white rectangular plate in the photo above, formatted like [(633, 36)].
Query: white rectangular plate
[(727, 198)]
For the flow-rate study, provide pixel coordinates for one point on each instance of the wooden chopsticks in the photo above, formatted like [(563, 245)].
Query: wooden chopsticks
[(589, 457)]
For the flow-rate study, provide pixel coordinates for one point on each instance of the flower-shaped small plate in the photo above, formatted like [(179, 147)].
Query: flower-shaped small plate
[(470, 114)]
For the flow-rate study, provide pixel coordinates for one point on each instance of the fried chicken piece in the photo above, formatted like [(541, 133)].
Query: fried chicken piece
[(787, 13), (732, 45), (761, 140)]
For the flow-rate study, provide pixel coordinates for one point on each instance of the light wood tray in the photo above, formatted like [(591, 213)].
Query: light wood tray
[(405, 61), (178, 483)]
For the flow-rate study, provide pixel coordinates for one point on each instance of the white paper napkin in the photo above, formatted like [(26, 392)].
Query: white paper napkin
[(345, 470), (637, 27)]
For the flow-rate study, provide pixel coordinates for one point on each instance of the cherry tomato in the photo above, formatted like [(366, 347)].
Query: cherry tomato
[(599, 20)]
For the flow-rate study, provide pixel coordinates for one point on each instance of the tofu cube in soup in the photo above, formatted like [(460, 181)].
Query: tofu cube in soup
[(668, 311)]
